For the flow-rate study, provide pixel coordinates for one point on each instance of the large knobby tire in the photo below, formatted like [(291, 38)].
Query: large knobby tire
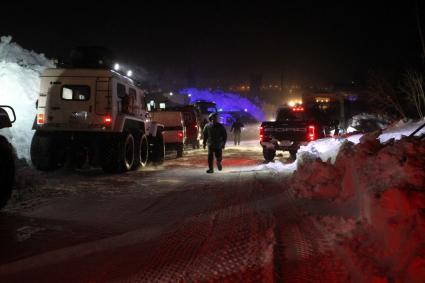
[(118, 153), (45, 155), (157, 154), (269, 154), (7, 171), (141, 153)]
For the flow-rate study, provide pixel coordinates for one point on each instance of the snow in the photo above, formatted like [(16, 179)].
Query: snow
[(366, 122), (383, 175), (19, 87), (278, 167), (400, 129)]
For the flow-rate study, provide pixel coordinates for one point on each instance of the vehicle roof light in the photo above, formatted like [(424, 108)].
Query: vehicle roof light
[(298, 109)]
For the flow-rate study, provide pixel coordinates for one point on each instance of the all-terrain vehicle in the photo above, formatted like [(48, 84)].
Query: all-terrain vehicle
[(94, 116), (7, 157)]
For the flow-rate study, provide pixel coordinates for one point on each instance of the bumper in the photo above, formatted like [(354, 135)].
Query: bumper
[(274, 145)]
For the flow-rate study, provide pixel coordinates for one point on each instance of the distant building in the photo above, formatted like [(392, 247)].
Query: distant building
[(255, 83)]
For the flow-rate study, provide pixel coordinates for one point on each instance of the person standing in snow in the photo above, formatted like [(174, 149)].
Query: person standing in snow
[(237, 129), (215, 136)]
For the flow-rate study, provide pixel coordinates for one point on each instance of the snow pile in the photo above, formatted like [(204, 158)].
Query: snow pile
[(386, 183), (278, 167), (327, 149), (358, 167), (365, 122), (19, 87), (401, 128)]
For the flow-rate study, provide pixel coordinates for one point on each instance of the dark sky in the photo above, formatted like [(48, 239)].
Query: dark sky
[(316, 41)]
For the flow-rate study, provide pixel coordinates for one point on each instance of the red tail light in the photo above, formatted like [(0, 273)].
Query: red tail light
[(40, 119), (261, 134), (298, 109), (107, 120), (180, 135), (311, 133)]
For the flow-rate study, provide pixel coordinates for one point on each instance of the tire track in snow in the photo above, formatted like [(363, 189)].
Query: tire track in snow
[(308, 255), (233, 244)]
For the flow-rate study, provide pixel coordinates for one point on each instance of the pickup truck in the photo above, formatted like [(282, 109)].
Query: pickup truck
[(294, 126)]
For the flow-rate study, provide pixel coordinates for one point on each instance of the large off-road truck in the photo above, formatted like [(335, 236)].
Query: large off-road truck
[(7, 157), (94, 116)]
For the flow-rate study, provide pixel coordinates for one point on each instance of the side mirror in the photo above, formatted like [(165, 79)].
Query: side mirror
[(5, 121)]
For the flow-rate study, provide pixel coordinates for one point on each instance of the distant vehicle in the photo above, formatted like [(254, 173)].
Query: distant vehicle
[(205, 108), (192, 124), (7, 158), (294, 126), (94, 116), (174, 131)]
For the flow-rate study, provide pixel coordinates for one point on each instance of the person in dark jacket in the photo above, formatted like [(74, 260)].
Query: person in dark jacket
[(237, 129), (215, 136)]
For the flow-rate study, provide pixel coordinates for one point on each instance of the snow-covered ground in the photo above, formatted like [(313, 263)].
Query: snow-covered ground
[(348, 209)]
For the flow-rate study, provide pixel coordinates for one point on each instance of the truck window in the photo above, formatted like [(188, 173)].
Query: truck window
[(289, 115), (75, 92), (129, 101), (121, 93)]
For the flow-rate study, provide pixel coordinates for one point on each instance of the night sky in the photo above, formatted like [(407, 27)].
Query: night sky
[(314, 42)]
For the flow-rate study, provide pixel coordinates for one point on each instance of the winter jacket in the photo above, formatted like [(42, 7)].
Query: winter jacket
[(215, 135)]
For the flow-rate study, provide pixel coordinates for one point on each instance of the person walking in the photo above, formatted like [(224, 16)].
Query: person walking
[(215, 136), (237, 129)]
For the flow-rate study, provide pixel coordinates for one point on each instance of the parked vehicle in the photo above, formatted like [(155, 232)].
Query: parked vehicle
[(205, 108), (93, 115), (294, 126), (174, 132), (7, 157), (191, 124)]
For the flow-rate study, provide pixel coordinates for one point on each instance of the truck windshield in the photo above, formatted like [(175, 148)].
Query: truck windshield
[(289, 115)]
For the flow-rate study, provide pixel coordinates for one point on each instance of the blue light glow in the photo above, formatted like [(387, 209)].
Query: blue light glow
[(226, 101)]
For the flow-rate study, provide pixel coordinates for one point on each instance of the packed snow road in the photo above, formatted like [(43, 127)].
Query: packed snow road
[(166, 224)]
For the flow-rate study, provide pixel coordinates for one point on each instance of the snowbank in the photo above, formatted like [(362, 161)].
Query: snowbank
[(386, 183), (365, 122), (19, 87), (328, 148), (278, 167)]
